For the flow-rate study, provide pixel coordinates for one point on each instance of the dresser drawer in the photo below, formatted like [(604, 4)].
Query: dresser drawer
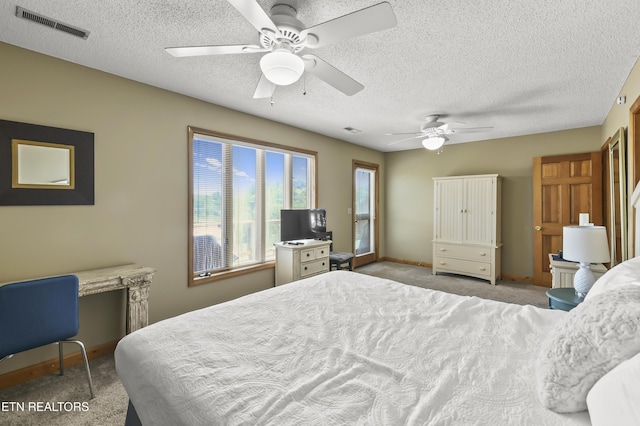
[(478, 253), (307, 254), (462, 266), (314, 267), (321, 252)]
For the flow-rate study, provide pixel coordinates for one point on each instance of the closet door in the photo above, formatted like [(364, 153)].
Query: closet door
[(478, 211), (449, 210)]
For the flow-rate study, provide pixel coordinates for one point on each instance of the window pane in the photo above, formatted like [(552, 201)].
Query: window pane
[(245, 229), (274, 200), (300, 182), (207, 206), (363, 211)]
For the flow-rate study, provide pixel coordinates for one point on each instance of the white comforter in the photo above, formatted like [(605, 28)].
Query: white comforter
[(341, 348)]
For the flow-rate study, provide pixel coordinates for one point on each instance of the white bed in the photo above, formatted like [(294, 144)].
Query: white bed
[(338, 349)]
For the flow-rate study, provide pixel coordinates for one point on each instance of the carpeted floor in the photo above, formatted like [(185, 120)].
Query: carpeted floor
[(65, 400), (50, 400), (504, 291)]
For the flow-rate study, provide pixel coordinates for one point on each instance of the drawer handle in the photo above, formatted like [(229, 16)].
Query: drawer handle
[(483, 268), (321, 251), (308, 254), (305, 268), (443, 249), (483, 254), (443, 263), (323, 263)]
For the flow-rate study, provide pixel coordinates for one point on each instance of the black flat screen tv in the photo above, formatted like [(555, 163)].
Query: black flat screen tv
[(301, 224), (295, 225)]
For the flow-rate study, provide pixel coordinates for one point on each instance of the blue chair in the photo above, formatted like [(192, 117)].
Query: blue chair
[(40, 312)]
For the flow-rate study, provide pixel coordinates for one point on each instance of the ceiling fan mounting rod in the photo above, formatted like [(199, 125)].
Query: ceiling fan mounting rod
[(284, 9), (289, 28)]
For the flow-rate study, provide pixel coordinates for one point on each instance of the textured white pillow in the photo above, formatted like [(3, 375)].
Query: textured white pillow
[(627, 272), (615, 398), (590, 341)]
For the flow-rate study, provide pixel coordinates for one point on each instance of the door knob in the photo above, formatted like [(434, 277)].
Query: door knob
[(538, 228)]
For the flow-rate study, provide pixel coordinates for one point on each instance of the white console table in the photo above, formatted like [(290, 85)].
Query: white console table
[(295, 261), (135, 279)]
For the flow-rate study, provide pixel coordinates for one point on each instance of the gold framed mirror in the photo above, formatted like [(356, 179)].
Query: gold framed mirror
[(42, 165), (618, 238)]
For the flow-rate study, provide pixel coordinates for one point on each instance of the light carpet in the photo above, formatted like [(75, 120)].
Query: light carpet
[(505, 290), (46, 401)]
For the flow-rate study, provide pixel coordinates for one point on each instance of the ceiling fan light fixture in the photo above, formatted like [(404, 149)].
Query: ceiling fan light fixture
[(282, 67), (434, 143)]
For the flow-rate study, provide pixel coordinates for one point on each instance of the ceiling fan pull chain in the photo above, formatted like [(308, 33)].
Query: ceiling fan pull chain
[(271, 101), (304, 85)]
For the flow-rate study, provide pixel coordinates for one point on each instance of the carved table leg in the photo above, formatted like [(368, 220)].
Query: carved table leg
[(137, 301)]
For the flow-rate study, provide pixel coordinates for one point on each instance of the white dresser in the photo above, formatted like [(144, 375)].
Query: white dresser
[(466, 227), (297, 261)]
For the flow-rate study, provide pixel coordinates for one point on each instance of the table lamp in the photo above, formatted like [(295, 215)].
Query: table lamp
[(586, 245)]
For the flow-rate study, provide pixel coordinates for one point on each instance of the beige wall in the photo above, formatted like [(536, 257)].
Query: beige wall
[(140, 211), (619, 114)]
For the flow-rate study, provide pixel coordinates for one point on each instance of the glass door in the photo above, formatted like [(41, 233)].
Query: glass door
[(365, 209)]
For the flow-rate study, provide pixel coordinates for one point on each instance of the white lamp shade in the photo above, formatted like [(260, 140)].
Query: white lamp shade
[(282, 67), (586, 244), (433, 143)]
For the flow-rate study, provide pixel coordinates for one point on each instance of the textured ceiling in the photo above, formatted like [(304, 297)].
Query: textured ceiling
[(520, 66)]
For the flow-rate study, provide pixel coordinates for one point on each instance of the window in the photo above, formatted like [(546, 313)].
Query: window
[(237, 189)]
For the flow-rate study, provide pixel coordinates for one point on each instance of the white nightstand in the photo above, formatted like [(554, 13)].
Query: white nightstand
[(562, 271)]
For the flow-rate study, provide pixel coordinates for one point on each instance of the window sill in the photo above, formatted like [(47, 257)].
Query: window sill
[(195, 281)]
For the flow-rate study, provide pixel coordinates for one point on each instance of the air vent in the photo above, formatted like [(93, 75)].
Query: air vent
[(51, 23)]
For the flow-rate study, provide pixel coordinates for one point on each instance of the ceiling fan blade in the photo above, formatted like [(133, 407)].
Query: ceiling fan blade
[(365, 21), (470, 129), (186, 51), (400, 134), (256, 16), (264, 89), (331, 75), (407, 139)]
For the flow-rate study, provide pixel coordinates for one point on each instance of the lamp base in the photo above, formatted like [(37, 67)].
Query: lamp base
[(583, 280)]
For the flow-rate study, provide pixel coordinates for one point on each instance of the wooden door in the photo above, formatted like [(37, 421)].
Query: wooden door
[(563, 187)]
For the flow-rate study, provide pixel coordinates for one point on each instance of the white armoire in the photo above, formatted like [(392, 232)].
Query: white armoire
[(466, 226)]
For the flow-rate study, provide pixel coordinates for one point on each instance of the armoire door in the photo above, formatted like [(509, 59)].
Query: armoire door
[(478, 211), (449, 204), (563, 187)]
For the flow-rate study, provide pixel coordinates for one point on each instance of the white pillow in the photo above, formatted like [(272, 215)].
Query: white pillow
[(627, 272), (589, 342), (615, 398)]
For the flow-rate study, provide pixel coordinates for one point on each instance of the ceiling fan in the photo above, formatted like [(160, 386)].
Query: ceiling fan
[(282, 37), (435, 132)]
